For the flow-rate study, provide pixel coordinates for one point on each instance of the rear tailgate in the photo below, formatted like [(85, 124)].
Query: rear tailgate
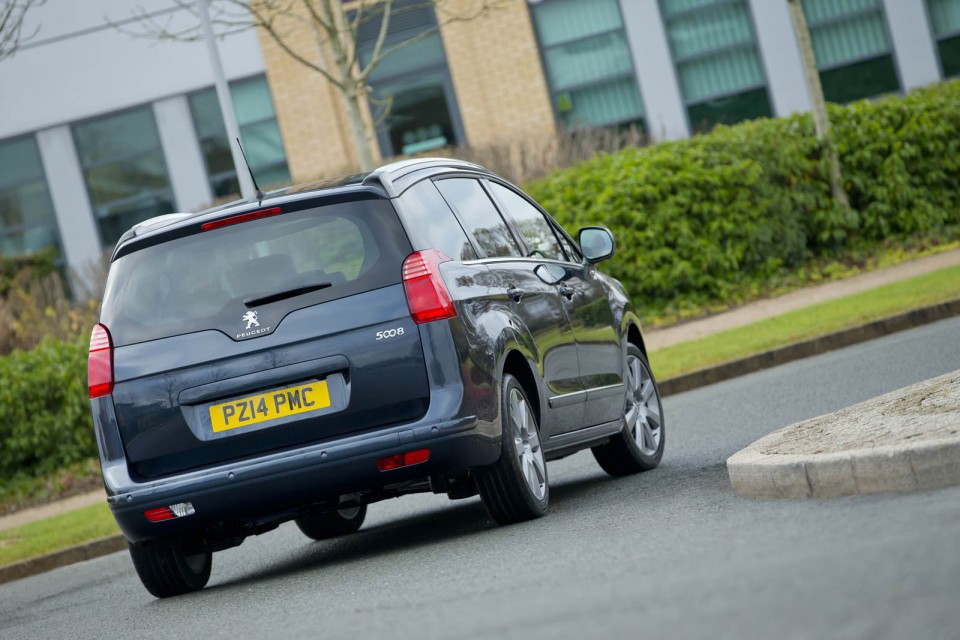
[(263, 336)]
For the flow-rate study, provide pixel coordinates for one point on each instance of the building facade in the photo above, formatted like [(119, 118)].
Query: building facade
[(100, 129)]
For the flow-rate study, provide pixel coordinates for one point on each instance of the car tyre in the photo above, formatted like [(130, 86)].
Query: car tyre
[(322, 526), (171, 567), (639, 445), (516, 488)]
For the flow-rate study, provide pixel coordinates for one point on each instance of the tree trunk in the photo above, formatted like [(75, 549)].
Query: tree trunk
[(358, 130), (818, 104)]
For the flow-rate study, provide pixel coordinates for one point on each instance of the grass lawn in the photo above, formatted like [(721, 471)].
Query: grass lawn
[(58, 532), (807, 323)]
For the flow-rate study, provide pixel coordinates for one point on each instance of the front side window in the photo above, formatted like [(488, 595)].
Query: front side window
[(537, 233), (588, 62), (852, 48), (259, 133), (715, 51), (945, 19), (27, 221), (124, 169), (479, 216)]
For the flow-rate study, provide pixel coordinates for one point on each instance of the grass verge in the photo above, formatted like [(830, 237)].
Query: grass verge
[(59, 532), (809, 322)]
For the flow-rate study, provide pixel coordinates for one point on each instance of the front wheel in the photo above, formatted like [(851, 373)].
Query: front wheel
[(171, 567), (639, 445), (515, 488)]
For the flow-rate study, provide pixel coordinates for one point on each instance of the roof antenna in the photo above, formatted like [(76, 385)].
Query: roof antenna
[(257, 192)]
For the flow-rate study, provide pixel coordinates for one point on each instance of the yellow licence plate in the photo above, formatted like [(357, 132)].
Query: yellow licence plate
[(269, 406)]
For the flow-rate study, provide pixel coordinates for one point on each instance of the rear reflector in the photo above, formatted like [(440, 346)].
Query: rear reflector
[(427, 295), (403, 459), (169, 513), (100, 363), (243, 217)]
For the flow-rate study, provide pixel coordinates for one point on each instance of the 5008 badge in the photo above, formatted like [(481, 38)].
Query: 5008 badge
[(389, 333)]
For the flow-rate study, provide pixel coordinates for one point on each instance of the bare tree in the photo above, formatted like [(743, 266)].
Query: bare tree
[(12, 13), (334, 25)]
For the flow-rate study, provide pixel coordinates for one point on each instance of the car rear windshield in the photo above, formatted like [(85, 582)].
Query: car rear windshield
[(192, 283)]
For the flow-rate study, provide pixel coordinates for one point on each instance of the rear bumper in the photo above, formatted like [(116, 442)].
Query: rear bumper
[(275, 487)]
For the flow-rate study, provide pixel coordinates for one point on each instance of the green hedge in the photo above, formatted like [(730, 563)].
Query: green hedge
[(698, 220), (45, 419)]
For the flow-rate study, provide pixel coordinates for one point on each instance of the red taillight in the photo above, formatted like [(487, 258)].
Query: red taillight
[(178, 510), (243, 217), (427, 295), (100, 363), (403, 459)]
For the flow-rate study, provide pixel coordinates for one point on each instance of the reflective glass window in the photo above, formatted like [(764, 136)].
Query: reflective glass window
[(479, 216), (945, 20), (412, 94), (714, 48), (588, 62), (259, 133), (852, 48), (431, 224), (536, 232), (27, 221), (124, 169)]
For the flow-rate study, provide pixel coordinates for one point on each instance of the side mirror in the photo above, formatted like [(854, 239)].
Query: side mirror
[(596, 243)]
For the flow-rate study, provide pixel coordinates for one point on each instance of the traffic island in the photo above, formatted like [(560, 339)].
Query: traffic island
[(906, 440)]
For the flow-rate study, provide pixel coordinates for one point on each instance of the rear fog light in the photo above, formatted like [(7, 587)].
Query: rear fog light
[(403, 459)]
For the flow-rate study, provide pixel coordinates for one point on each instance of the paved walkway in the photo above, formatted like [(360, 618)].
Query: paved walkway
[(656, 338), (763, 309)]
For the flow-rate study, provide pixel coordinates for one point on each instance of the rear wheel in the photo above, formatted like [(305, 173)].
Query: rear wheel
[(171, 567), (332, 524), (515, 488), (639, 445)]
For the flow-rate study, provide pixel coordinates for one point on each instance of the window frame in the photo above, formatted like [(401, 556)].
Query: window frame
[(41, 177), (213, 178), (505, 214), (145, 195), (630, 74)]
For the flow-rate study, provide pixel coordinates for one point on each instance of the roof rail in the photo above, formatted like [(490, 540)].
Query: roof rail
[(389, 175)]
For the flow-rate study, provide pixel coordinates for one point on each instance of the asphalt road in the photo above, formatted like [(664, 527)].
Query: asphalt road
[(672, 553)]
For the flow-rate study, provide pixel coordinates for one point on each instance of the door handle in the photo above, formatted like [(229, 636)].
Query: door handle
[(566, 291), (515, 293)]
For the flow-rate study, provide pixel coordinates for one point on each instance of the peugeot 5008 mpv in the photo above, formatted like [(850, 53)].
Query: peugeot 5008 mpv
[(424, 327)]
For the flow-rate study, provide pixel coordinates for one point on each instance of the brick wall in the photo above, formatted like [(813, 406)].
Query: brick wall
[(494, 64)]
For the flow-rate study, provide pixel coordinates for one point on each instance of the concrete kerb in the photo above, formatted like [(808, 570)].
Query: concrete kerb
[(750, 470), (70, 555), (906, 440)]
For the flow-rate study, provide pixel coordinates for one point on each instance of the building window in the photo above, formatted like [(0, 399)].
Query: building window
[(259, 133), (413, 97), (27, 220), (945, 16), (715, 51), (852, 47), (588, 62), (125, 171)]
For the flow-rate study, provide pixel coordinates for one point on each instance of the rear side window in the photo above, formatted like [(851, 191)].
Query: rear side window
[(200, 281), (534, 228), (479, 216), (430, 223)]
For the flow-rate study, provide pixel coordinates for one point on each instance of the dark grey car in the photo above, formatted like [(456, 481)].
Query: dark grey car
[(424, 327)]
